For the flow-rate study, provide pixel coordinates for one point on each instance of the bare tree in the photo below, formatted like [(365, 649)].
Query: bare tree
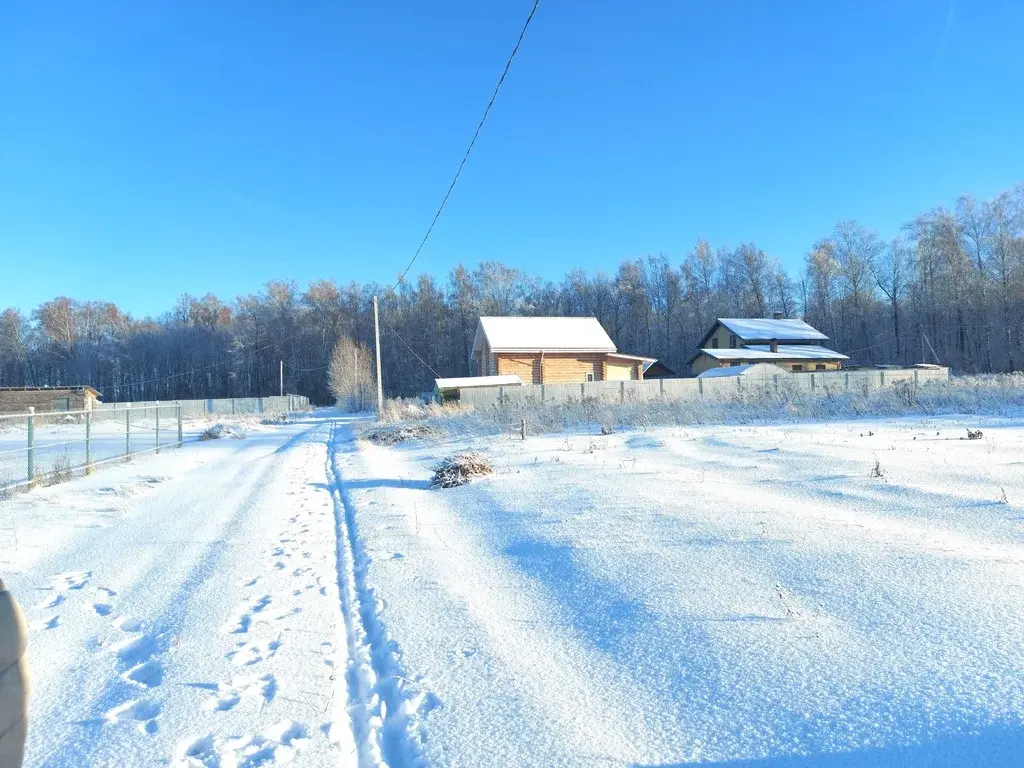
[(351, 375), (892, 272)]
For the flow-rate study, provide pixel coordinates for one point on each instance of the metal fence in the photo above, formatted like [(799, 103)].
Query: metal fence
[(227, 406), (50, 447), (721, 388)]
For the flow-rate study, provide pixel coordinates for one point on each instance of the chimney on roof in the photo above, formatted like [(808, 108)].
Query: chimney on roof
[(777, 316), (774, 346)]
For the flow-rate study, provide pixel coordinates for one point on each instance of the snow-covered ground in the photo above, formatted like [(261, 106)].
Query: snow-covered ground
[(748, 596), (846, 593)]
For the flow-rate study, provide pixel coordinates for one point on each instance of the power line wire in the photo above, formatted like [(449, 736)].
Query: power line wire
[(465, 157), (398, 336)]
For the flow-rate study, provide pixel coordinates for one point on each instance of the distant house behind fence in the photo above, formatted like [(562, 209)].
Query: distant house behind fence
[(790, 344), (46, 399), (551, 350)]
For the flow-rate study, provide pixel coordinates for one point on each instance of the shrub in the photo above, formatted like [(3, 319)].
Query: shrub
[(60, 470)]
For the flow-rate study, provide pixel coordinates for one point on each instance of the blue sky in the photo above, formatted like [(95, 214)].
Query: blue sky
[(152, 148)]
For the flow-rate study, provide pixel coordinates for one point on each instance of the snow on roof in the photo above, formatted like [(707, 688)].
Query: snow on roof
[(550, 334), (465, 382), (754, 369), (753, 329), (803, 351), (785, 352)]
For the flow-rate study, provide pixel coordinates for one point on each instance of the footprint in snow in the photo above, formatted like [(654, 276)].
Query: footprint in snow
[(276, 745), (134, 650), (51, 623), (51, 602), (71, 580), (263, 689), (148, 674), (247, 654), (127, 625), (102, 609), (139, 710)]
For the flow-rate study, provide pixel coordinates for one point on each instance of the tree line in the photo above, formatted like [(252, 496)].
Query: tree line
[(949, 287)]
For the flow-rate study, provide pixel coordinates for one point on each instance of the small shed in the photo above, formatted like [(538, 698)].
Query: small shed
[(47, 399), (450, 390), (766, 371), (658, 370)]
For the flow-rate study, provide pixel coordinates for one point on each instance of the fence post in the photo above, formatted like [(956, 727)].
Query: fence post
[(700, 386), (179, 424), (542, 393), (812, 382), (847, 381), (881, 379), (88, 442), (128, 432), (622, 391), (661, 388), (916, 382), (522, 428), (157, 410), (232, 406), (31, 443)]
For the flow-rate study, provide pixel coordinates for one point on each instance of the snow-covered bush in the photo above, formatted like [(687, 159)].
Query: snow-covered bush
[(218, 431)]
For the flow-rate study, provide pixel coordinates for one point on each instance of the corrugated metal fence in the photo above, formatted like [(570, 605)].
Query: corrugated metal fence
[(227, 406), (721, 388)]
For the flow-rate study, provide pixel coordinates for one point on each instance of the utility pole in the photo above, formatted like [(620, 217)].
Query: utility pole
[(281, 369), (376, 336)]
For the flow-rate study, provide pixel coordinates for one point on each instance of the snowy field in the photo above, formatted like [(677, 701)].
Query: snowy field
[(823, 594)]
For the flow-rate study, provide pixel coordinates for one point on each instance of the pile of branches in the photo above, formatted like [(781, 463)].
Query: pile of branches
[(459, 470)]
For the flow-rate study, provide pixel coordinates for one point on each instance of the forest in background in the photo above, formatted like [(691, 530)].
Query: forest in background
[(953, 275)]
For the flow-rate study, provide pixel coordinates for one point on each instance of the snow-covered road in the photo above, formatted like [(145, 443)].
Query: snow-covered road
[(845, 594), (197, 621)]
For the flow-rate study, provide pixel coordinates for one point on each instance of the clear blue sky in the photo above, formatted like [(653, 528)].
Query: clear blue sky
[(148, 148)]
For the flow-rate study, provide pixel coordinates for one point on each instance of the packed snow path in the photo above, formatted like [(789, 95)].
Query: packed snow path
[(194, 620)]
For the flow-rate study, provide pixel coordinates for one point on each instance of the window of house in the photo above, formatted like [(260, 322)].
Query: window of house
[(732, 341), (590, 376), (819, 367), (798, 367), (714, 342), (62, 404)]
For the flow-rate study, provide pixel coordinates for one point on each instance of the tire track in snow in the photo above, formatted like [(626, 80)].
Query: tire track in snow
[(384, 704)]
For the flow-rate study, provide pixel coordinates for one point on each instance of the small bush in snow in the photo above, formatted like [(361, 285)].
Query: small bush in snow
[(218, 431), (877, 471), (60, 469), (459, 470), (973, 434)]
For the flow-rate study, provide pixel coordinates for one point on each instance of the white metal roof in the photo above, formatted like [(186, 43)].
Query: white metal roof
[(808, 351), (765, 370), (465, 382), (785, 352), (754, 329), (549, 334)]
